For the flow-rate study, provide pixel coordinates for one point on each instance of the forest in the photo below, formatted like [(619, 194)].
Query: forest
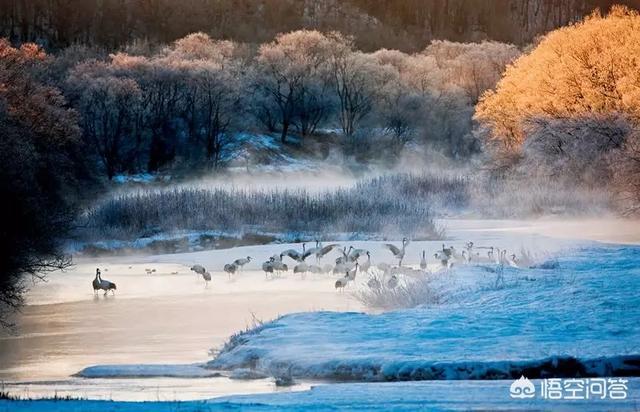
[(559, 115), (405, 25)]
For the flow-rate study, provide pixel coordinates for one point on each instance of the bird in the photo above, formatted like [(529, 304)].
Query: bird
[(355, 254), (96, 282), (498, 256), (509, 261), (345, 255), (278, 265), (449, 252), (423, 261), (311, 251), (366, 265), (444, 259), (319, 251), (268, 267), (294, 254), (351, 274), (106, 285), (341, 283), (199, 269), (239, 263), (207, 278), (469, 247), (322, 251), (230, 268), (398, 253), (392, 282), (301, 267)]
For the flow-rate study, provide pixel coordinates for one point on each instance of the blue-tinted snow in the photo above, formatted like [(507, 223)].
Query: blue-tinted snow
[(402, 396), (581, 318), (146, 371)]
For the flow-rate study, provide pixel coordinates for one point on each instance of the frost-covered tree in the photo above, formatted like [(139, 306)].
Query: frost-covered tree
[(110, 108), (625, 166), (41, 166), (358, 80), (576, 148), (293, 74), (589, 68)]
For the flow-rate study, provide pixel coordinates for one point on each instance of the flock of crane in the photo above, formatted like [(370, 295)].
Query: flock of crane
[(351, 261)]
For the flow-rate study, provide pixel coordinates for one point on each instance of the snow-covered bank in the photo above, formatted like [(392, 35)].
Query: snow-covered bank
[(404, 396), (146, 371), (578, 320)]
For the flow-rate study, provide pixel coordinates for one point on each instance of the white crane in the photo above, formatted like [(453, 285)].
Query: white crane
[(443, 258), (423, 261), (351, 274), (366, 265), (449, 252), (96, 282), (230, 268), (341, 284), (199, 269), (355, 254), (302, 268), (397, 252), (207, 278), (319, 251), (268, 267), (105, 284), (278, 265), (294, 254), (239, 263), (345, 255)]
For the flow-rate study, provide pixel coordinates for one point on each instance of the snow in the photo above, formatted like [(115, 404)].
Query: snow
[(582, 318), (263, 153), (138, 178), (146, 371), (404, 396)]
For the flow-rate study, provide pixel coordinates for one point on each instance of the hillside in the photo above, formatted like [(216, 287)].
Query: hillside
[(403, 24)]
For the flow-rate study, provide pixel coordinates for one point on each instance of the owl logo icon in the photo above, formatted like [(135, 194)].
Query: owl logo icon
[(522, 389)]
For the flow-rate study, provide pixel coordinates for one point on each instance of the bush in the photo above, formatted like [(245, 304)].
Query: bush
[(408, 294), (386, 206)]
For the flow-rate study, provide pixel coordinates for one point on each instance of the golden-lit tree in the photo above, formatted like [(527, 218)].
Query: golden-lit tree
[(592, 67)]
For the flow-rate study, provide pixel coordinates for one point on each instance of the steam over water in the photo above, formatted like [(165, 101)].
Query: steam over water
[(169, 318)]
